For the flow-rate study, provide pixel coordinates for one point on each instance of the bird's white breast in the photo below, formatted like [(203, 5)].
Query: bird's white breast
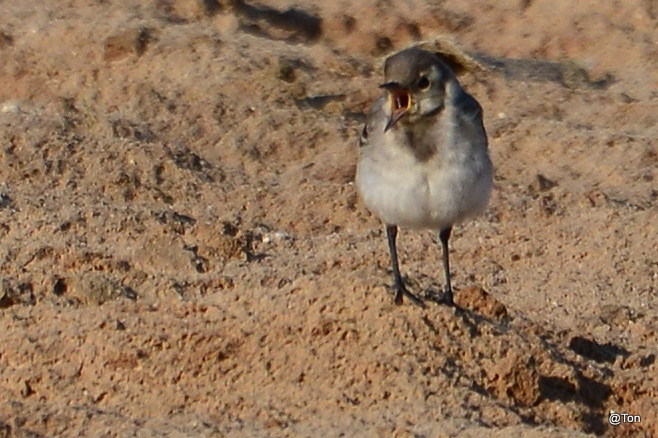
[(437, 193)]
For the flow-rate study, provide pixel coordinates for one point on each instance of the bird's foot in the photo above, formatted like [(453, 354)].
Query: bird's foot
[(446, 298), (401, 292)]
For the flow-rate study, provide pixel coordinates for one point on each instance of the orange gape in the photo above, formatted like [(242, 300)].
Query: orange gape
[(401, 100)]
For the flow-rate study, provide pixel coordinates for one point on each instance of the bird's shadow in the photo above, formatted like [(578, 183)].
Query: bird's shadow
[(472, 319)]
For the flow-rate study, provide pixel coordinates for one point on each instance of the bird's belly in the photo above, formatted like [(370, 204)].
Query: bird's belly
[(419, 199), (403, 203)]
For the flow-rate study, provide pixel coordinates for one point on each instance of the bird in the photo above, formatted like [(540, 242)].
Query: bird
[(423, 159)]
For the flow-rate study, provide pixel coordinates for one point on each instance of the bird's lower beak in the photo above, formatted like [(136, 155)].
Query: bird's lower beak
[(400, 101)]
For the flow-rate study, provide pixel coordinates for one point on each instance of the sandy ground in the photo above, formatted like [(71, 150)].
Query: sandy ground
[(183, 252)]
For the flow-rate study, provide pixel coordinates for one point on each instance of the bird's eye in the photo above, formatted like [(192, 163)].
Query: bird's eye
[(423, 83)]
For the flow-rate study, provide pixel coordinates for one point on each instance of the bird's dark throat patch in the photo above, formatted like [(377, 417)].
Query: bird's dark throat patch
[(421, 144)]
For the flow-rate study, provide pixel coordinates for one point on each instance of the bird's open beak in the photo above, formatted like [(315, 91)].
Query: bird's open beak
[(400, 101)]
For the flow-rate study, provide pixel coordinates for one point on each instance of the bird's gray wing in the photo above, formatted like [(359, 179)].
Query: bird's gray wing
[(365, 135), (375, 120), (469, 120), (468, 108)]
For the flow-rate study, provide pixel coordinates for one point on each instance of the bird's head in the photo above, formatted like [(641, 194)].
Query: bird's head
[(416, 85)]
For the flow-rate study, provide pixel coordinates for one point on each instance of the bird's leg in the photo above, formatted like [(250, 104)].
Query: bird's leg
[(447, 297), (400, 290)]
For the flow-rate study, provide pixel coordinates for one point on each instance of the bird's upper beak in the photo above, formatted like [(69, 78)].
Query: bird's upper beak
[(400, 100)]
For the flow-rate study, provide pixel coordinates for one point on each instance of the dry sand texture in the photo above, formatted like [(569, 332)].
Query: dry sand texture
[(183, 252)]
